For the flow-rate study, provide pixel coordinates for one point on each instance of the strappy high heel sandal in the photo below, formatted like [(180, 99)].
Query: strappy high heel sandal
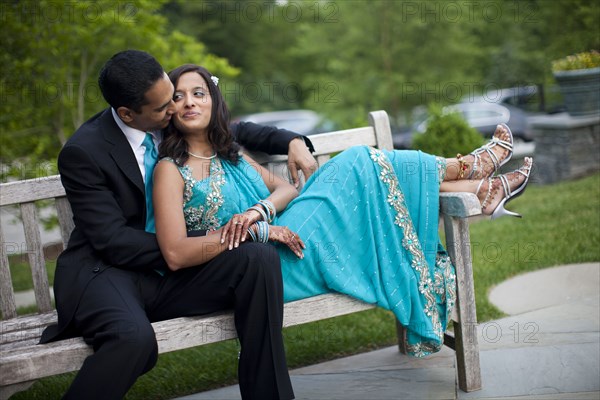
[(509, 194), (487, 148)]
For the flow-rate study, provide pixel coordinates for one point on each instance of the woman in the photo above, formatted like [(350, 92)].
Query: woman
[(365, 224)]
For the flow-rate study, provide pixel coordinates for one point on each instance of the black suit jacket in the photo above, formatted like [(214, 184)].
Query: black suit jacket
[(104, 186)]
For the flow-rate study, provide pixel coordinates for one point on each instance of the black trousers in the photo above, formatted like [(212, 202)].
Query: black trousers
[(118, 306)]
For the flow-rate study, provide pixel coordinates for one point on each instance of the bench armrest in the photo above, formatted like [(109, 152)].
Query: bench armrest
[(461, 205)]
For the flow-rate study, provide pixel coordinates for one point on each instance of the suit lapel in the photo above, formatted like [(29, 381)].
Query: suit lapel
[(121, 151)]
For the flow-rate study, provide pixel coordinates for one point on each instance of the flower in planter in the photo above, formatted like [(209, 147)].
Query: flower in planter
[(585, 60), (578, 77)]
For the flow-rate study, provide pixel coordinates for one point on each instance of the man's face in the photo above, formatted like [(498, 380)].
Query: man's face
[(156, 114)]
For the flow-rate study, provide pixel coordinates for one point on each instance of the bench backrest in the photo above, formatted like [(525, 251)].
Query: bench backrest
[(27, 192)]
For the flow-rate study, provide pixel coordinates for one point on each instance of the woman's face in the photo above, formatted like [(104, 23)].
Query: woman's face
[(193, 104)]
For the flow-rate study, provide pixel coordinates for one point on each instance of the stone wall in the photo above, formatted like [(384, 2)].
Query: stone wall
[(566, 147)]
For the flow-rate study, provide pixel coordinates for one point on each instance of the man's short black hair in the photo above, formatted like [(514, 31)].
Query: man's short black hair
[(127, 76)]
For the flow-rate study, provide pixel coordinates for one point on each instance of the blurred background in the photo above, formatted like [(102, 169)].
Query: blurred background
[(311, 66), (314, 66)]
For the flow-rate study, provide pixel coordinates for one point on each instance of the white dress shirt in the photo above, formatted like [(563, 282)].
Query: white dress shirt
[(135, 137)]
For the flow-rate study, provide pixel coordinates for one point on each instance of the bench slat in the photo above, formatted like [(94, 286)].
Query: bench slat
[(322, 159), (65, 219), (383, 133), (35, 361), (8, 306), (39, 361), (334, 142), (35, 254), (27, 322), (460, 205), (31, 190), (21, 339), (321, 307), (299, 312)]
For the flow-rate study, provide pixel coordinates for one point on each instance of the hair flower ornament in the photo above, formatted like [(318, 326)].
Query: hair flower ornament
[(215, 80)]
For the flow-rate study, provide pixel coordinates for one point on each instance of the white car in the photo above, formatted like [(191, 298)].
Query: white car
[(485, 117), (304, 122)]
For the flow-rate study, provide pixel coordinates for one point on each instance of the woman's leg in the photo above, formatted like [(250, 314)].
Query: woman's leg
[(480, 164), (490, 198)]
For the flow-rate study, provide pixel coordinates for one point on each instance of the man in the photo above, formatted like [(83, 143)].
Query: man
[(112, 281)]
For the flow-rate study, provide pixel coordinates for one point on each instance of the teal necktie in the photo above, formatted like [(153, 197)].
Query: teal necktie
[(150, 158)]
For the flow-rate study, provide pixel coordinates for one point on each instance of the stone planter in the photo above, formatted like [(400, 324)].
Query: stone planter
[(581, 90), (566, 147)]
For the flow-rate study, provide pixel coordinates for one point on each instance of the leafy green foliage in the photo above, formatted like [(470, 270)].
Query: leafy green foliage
[(52, 52), (345, 58), (340, 58), (447, 134)]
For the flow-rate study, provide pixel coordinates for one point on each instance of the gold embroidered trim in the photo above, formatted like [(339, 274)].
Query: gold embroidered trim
[(413, 246)]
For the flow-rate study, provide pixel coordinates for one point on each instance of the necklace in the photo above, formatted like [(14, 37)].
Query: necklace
[(202, 157)]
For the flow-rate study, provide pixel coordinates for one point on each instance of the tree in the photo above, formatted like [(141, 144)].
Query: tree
[(388, 55), (340, 58), (52, 52), (255, 36), (519, 39)]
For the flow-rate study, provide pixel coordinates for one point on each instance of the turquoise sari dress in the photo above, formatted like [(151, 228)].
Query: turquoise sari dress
[(369, 219)]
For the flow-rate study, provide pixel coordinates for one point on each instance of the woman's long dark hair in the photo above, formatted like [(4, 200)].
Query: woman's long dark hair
[(219, 135)]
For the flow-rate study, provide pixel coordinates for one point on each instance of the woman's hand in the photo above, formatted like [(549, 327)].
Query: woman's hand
[(282, 234), (236, 229)]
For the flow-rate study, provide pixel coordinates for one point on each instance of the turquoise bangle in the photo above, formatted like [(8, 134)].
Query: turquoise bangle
[(252, 234), (269, 208)]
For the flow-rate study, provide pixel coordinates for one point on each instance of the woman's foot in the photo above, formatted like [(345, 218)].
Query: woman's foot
[(486, 160), (495, 193)]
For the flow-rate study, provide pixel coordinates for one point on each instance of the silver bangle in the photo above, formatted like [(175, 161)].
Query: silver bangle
[(260, 211)]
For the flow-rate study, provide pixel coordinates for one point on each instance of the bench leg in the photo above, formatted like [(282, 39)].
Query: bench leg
[(7, 391), (401, 332), (465, 329)]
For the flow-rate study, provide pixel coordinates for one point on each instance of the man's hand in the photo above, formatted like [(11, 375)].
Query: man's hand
[(299, 158)]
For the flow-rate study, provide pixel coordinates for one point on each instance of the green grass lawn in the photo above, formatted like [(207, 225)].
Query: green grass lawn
[(560, 226), (21, 273)]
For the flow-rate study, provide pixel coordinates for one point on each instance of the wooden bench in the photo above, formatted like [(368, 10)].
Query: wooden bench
[(23, 360)]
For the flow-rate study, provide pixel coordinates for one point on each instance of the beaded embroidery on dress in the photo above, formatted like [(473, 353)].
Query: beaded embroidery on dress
[(202, 216)]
